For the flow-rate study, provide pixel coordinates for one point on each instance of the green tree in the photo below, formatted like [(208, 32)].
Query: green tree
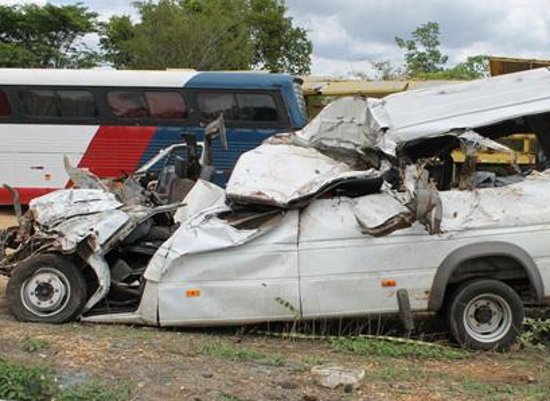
[(278, 44), (386, 71), (422, 54), (116, 34), (474, 67), (208, 35), (46, 36)]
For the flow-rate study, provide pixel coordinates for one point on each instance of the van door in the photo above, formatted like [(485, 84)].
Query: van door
[(344, 272)]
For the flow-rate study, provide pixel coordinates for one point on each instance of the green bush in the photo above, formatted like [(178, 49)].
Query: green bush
[(37, 383), (23, 383), (536, 332)]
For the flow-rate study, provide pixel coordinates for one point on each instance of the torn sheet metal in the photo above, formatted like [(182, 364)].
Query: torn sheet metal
[(64, 204), (521, 204), (282, 175), (426, 113), (204, 232), (82, 177), (381, 214), (203, 195), (101, 226), (340, 125), (478, 142)]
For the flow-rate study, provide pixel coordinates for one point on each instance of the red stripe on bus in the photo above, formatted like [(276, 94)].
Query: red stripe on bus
[(26, 194), (116, 150)]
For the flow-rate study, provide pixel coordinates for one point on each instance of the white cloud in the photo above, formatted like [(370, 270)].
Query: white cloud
[(366, 29), (340, 68)]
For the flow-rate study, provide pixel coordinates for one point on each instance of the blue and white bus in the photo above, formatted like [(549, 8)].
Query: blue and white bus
[(112, 122)]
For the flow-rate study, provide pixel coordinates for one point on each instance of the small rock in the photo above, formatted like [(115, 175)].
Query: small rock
[(288, 385), (348, 388), (310, 397), (207, 375), (334, 376)]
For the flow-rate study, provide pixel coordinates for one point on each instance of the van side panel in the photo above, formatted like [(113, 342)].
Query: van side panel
[(342, 271)]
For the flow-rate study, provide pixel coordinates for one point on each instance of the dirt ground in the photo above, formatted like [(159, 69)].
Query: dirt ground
[(227, 365), (6, 216)]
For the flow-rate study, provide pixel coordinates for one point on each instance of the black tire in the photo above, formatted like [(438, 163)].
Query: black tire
[(485, 315), (51, 281)]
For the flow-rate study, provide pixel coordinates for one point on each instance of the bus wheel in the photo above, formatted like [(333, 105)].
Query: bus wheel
[(485, 314), (46, 289)]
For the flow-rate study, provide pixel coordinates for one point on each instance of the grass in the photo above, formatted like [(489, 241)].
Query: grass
[(240, 354), (96, 391), (229, 397), (313, 360), (38, 383), (375, 347), (30, 344), (500, 392), (22, 383)]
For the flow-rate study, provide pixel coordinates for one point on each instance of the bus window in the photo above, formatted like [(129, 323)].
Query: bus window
[(212, 104), (166, 104), (5, 109), (238, 107), (76, 103), (40, 103), (59, 103), (257, 107), (127, 104)]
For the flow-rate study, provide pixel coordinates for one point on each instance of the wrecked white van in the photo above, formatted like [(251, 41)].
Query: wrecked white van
[(362, 212)]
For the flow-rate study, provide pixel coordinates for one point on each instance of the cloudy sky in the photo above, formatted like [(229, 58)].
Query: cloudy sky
[(349, 34)]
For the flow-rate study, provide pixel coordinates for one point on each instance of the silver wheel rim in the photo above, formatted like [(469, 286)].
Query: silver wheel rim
[(487, 318), (46, 293)]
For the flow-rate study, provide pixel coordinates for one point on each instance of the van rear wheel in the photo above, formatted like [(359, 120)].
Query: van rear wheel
[(485, 314), (46, 289)]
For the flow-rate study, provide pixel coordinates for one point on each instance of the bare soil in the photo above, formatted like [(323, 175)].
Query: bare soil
[(7, 217)]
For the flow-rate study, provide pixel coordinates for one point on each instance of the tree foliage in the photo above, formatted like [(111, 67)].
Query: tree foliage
[(422, 54), (46, 36), (474, 67), (208, 35), (424, 60)]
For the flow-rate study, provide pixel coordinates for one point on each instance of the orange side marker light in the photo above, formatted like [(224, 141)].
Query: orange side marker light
[(389, 283), (193, 293)]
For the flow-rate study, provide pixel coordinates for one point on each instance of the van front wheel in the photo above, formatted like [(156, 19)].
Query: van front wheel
[(485, 314), (46, 289)]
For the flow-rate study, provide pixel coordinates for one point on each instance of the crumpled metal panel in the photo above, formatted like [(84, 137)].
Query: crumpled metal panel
[(521, 204), (203, 195), (202, 233), (102, 226), (284, 174), (242, 275), (340, 125), (64, 204), (425, 113)]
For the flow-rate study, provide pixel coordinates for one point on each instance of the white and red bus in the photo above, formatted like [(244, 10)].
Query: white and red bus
[(112, 122)]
